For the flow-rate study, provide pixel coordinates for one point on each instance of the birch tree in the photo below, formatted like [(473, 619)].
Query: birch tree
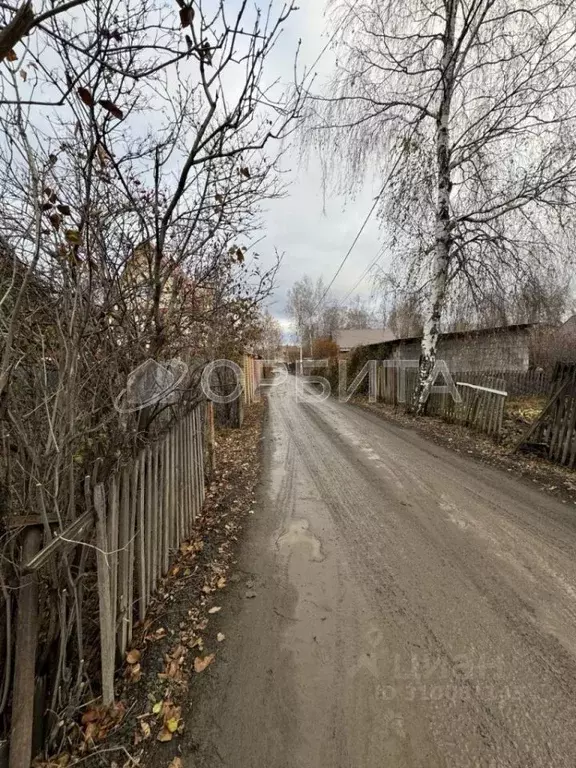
[(464, 111)]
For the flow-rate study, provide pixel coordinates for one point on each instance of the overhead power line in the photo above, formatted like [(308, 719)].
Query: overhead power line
[(356, 238)]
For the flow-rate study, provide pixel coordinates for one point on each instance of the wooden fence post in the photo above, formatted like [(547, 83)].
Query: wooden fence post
[(124, 559), (25, 657), (165, 486), (112, 525), (142, 535), (107, 629), (149, 525), (210, 437)]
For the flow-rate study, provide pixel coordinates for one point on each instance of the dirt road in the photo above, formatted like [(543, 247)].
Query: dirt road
[(411, 608)]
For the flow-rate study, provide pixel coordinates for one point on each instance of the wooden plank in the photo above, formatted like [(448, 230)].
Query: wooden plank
[(569, 420), (189, 470), (149, 522), (76, 531), (123, 560), (210, 437), (483, 389), (112, 522), (27, 624), (132, 546), (182, 484), (173, 498), (23, 521), (547, 410), (141, 533), (166, 477), (557, 426), (193, 470), (106, 617), (155, 530), (569, 432), (200, 443)]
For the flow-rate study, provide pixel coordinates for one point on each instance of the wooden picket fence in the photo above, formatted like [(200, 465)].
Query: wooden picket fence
[(143, 513), (553, 434), (516, 383), (483, 397), (481, 407)]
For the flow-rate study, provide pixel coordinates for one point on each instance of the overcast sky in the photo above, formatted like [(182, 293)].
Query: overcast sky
[(314, 232)]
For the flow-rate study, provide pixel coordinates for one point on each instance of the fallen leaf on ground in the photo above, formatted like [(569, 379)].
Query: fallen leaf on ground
[(201, 662), (135, 673), (178, 653), (133, 656), (172, 725), (164, 735), (215, 609), (220, 637), (176, 763)]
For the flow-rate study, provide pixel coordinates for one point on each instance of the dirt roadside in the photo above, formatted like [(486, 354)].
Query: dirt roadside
[(181, 637), (539, 472)]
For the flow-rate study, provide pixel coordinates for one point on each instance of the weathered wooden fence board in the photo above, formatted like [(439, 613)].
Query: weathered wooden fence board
[(554, 432), (150, 506), (483, 397)]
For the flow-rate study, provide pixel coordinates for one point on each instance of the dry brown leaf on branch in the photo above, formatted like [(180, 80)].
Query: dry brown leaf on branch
[(202, 662), (86, 96), (72, 236), (186, 16), (114, 109)]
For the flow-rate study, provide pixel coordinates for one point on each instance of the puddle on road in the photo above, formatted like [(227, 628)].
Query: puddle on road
[(299, 535)]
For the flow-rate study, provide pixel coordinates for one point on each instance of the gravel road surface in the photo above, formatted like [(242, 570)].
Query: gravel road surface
[(400, 605)]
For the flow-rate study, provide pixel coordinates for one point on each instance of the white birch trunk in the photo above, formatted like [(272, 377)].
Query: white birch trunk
[(443, 236)]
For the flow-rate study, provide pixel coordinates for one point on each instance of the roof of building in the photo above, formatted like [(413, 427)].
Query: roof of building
[(515, 328), (349, 338)]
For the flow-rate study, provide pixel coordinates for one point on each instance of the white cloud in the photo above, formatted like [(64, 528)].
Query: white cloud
[(313, 232)]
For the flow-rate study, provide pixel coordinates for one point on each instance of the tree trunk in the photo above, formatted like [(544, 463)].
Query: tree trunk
[(443, 235)]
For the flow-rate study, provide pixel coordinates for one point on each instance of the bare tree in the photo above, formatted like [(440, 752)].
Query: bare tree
[(135, 154), (269, 336), (305, 302), (466, 110)]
